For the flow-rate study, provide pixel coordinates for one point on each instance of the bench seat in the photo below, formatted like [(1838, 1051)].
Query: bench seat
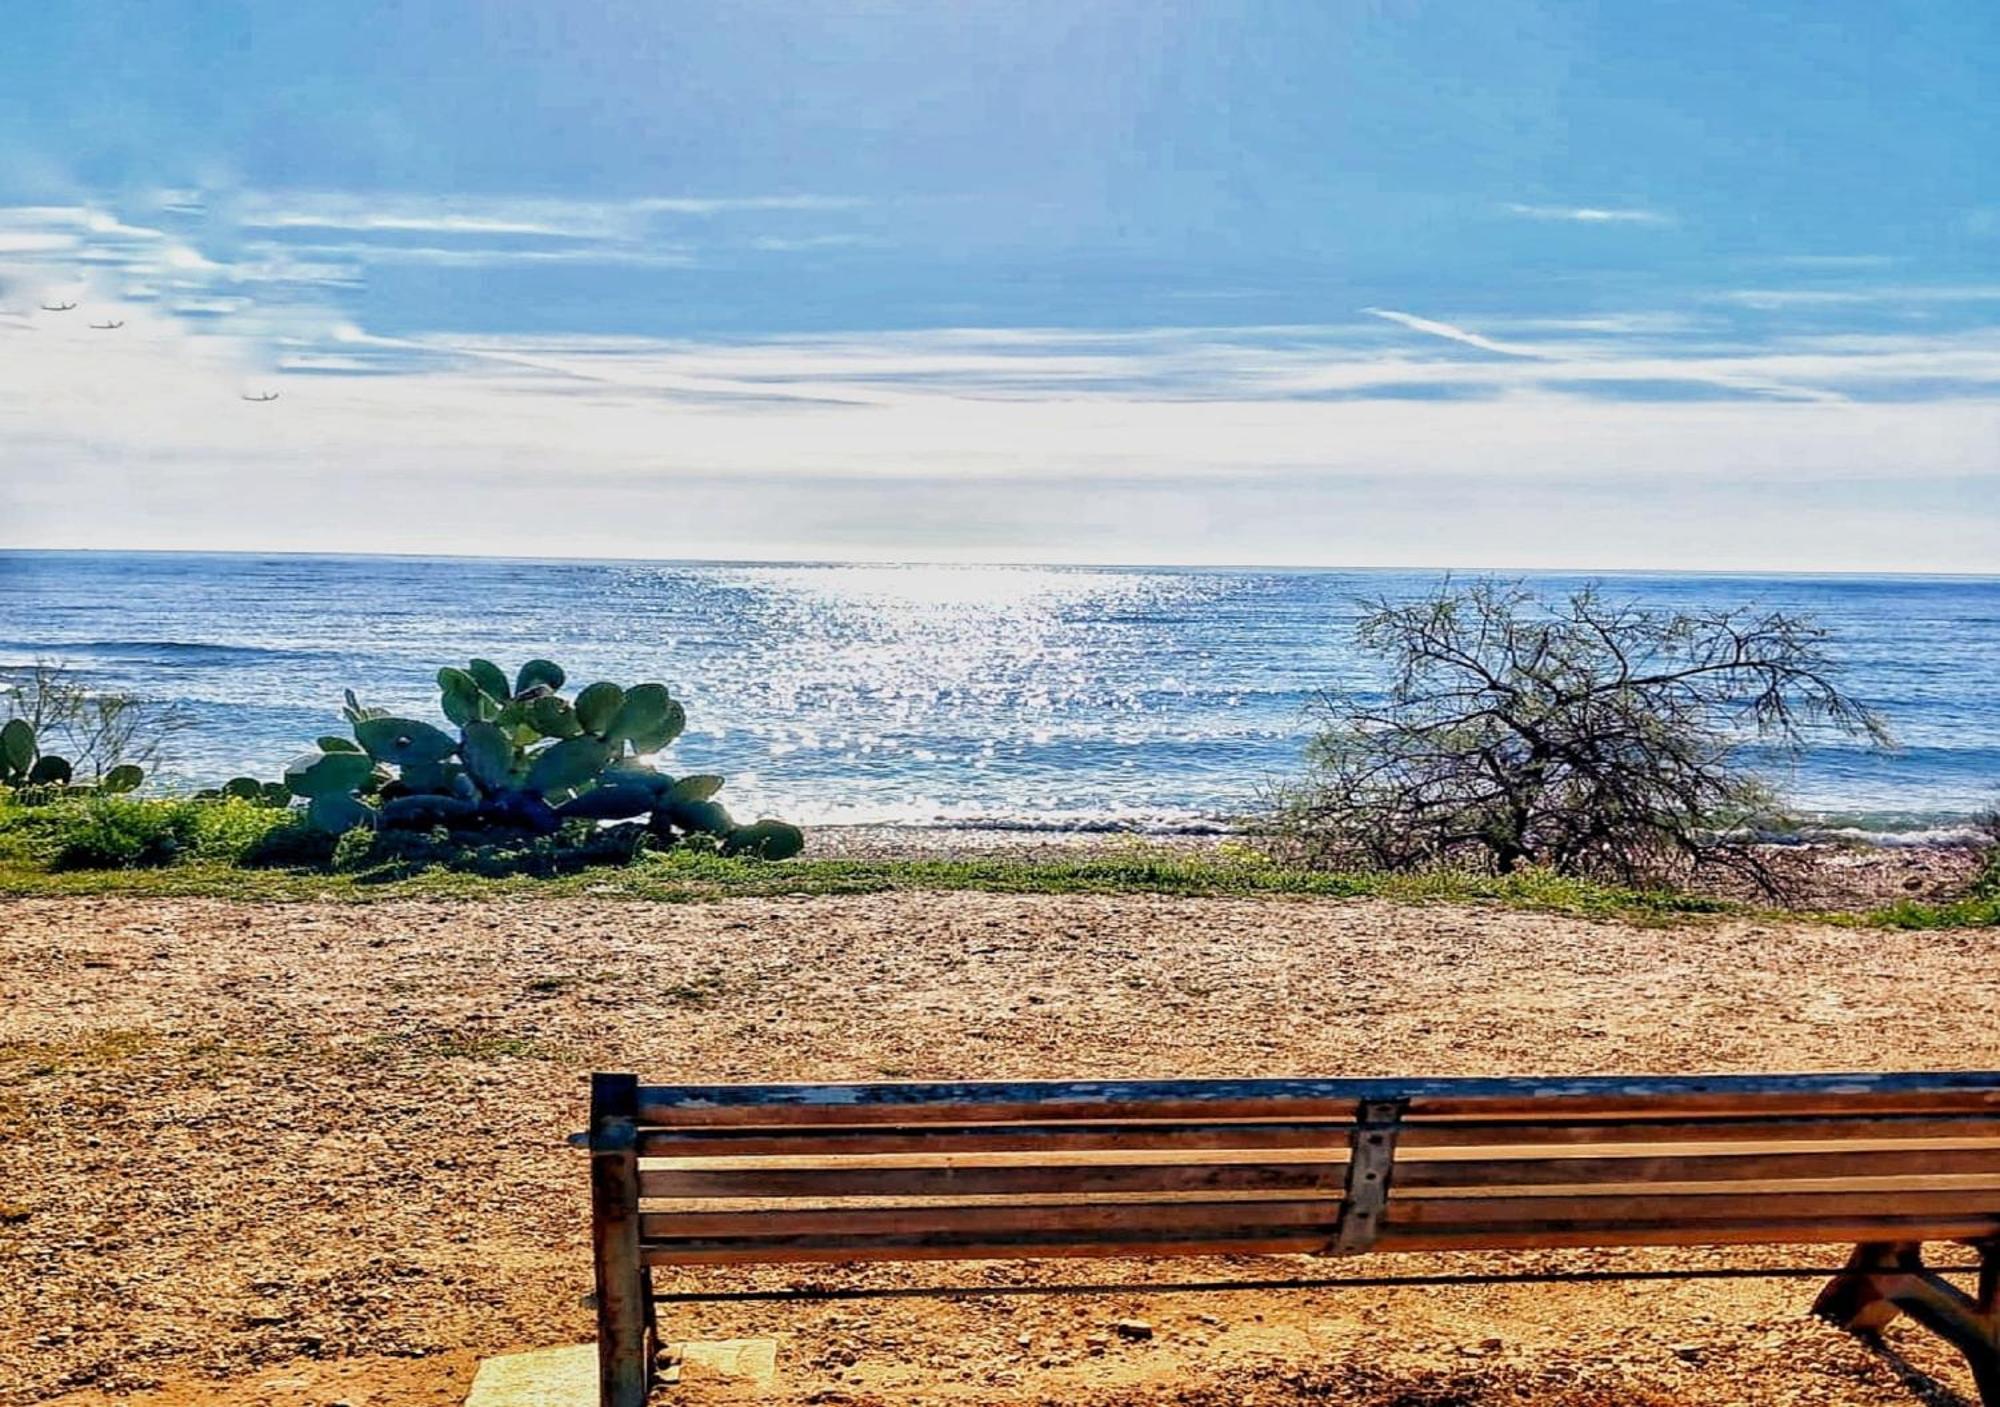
[(688, 1175)]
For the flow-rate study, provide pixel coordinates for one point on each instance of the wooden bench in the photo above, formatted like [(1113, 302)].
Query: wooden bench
[(744, 1174)]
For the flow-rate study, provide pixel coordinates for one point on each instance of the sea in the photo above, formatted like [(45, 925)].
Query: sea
[(1144, 699)]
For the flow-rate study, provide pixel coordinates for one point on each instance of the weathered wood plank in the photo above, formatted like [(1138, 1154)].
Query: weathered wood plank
[(1492, 1236), (944, 1180), (1906, 1165), (984, 1175), (1772, 1133), (992, 1221), (624, 1350), (1772, 1206), (1190, 1100)]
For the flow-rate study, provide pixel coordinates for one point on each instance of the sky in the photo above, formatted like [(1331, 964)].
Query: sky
[(1684, 284)]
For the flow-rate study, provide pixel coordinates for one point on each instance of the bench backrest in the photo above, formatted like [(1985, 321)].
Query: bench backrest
[(775, 1173)]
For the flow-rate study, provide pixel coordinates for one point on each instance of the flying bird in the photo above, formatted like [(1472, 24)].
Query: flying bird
[(109, 326), (267, 396), (57, 307)]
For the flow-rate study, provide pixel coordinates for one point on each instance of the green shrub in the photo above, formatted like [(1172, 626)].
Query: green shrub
[(576, 845), (352, 850), (116, 833), (232, 829), (1986, 884)]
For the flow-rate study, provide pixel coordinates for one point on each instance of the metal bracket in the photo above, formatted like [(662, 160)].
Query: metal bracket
[(1371, 1158)]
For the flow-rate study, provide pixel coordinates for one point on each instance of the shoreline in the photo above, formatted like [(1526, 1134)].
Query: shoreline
[(1956, 832), (1828, 875)]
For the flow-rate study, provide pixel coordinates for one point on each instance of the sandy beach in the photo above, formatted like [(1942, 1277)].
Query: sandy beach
[(310, 1154)]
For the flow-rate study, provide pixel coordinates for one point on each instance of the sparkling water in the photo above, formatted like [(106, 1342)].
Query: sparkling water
[(1040, 697)]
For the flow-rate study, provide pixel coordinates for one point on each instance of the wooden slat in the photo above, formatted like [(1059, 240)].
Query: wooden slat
[(1276, 1241), (748, 1252), (991, 1223), (941, 1181), (1024, 1218), (1810, 1231), (978, 1175), (1693, 1207), (992, 1138), (1772, 1133), (1192, 1100), (1904, 1164)]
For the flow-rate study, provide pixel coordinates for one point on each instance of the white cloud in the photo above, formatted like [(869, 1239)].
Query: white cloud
[(811, 444), (145, 443), (25, 242), (695, 205), (1590, 214), (353, 257), (1758, 374), (825, 241), (547, 216), (1453, 334), (1837, 261), (1768, 299)]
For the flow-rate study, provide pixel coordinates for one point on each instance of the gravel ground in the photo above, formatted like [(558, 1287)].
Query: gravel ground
[(295, 1154)]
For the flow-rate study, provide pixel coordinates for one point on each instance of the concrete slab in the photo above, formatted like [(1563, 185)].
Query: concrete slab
[(753, 1360), (545, 1377), (567, 1376)]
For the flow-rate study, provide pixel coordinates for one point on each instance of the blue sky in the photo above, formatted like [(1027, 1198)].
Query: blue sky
[(1477, 284)]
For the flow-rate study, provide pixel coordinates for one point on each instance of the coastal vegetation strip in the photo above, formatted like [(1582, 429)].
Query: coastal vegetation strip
[(31, 868)]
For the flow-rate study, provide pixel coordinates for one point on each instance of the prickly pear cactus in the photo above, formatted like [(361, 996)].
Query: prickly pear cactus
[(523, 758), (24, 765)]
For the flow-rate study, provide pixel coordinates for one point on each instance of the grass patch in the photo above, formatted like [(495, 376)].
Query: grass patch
[(384, 1050), (236, 850), (118, 832), (97, 1050), (684, 877), (1909, 914), (1979, 907), (699, 992)]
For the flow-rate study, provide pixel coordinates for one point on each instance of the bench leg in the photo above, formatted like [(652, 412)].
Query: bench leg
[(624, 1284), (1885, 1279)]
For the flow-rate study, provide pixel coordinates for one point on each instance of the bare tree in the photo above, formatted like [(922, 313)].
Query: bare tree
[(97, 730), (1590, 737)]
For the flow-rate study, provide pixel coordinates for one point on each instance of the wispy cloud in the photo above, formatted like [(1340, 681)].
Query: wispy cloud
[(23, 242), (807, 426), (784, 245), (1647, 375), (1779, 298), (288, 264), (721, 205), (1591, 214), (366, 212), (357, 255), (1837, 261), (637, 447), (1453, 333)]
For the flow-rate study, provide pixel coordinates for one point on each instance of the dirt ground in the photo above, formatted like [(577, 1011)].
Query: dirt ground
[(314, 1154)]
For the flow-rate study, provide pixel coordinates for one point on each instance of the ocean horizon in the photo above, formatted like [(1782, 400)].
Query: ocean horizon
[(1151, 698)]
